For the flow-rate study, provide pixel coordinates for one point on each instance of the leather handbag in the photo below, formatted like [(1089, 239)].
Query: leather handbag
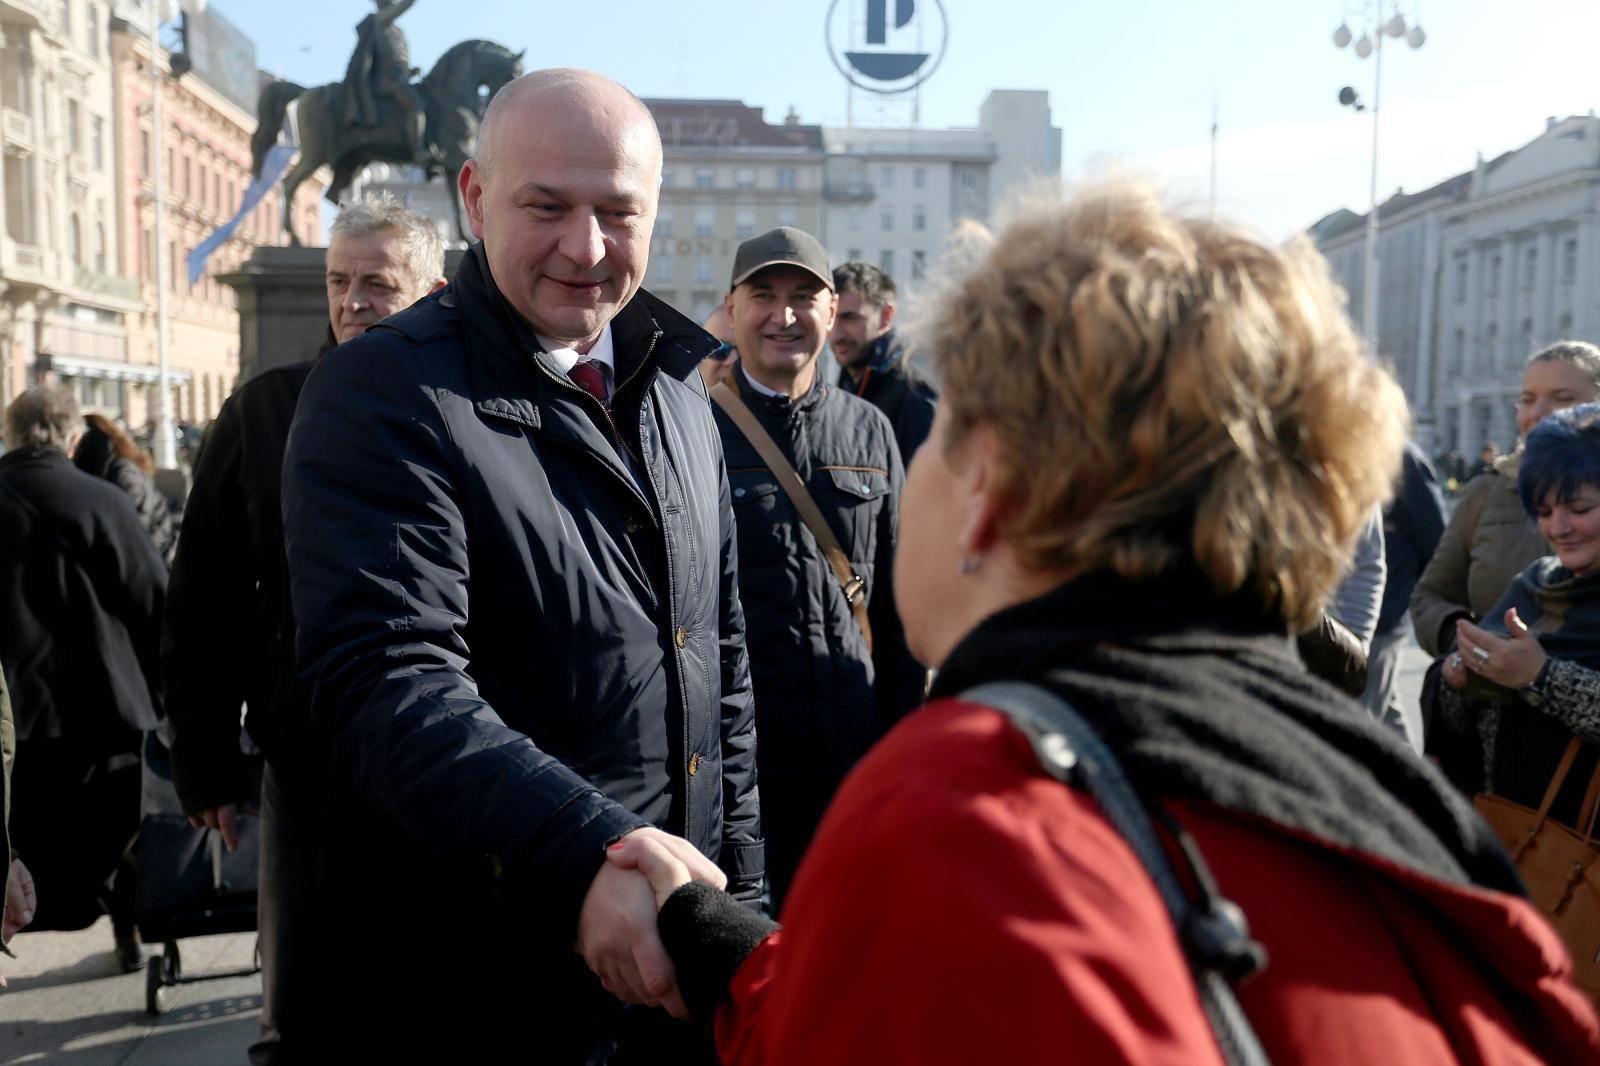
[(1559, 865)]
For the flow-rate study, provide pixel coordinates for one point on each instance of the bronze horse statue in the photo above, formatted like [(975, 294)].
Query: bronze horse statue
[(453, 90)]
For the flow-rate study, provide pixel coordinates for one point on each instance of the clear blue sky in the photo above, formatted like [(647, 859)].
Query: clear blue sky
[(1131, 81)]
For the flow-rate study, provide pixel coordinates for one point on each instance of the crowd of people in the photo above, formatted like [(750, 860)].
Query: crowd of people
[(1054, 708)]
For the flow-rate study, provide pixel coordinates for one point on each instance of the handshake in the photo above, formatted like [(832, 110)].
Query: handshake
[(617, 934)]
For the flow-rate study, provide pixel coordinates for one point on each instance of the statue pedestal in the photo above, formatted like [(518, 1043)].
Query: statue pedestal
[(283, 305)]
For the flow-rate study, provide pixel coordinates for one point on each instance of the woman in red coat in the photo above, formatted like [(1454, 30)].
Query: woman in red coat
[(1158, 441)]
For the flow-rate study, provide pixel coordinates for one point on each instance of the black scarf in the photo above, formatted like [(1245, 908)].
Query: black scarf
[(1205, 698)]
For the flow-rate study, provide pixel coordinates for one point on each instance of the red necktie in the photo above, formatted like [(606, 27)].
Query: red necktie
[(588, 376)]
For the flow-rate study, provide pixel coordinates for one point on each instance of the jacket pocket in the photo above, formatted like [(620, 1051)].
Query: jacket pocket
[(762, 514), (859, 496)]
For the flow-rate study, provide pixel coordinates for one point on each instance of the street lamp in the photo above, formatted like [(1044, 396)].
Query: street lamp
[(1370, 43), (162, 11)]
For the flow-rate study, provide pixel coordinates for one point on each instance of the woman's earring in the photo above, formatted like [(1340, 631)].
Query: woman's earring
[(969, 565)]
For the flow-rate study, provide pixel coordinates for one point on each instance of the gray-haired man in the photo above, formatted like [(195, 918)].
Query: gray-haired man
[(229, 633)]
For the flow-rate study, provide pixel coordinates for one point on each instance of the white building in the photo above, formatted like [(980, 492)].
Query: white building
[(1477, 273), (894, 195), (62, 302)]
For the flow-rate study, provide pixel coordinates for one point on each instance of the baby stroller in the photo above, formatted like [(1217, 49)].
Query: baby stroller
[(189, 884)]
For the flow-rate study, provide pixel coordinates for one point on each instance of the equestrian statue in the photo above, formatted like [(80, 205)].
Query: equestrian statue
[(377, 114)]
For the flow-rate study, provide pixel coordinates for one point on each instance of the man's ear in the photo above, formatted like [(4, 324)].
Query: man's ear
[(438, 283), (470, 182), (886, 318)]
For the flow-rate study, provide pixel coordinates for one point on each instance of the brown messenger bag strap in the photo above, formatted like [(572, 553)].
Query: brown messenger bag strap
[(1559, 778), (855, 590)]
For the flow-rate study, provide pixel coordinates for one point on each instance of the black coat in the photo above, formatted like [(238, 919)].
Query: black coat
[(822, 698), (228, 637), (96, 454), (519, 653), (81, 588), (891, 382)]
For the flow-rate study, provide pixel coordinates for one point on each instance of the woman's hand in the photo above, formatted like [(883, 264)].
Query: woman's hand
[(666, 870), (1514, 661), (1454, 671)]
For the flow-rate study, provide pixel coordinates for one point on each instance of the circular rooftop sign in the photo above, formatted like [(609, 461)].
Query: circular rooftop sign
[(887, 46)]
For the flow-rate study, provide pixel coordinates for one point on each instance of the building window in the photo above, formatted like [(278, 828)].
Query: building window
[(1565, 328), (1493, 345), (888, 219), (855, 218), (1494, 276), (744, 178), (663, 266), (886, 261), (786, 178), (702, 269), (919, 177), (75, 239), (74, 134), (887, 177), (97, 142), (786, 216), (1459, 354), (919, 218), (1530, 272), (1569, 262), (664, 224), (705, 178), (172, 171), (100, 247), (852, 255), (745, 225), (1461, 282), (91, 39), (704, 223), (64, 17), (919, 265), (666, 178), (969, 180), (1527, 335)]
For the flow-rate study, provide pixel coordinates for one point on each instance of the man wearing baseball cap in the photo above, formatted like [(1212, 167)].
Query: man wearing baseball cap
[(828, 661)]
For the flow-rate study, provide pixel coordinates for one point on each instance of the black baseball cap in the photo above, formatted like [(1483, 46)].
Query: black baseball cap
[(784, 246)]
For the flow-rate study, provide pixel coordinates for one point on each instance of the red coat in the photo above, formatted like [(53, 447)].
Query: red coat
[(958, 906)]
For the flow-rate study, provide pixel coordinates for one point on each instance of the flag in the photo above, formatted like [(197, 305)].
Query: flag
[(272, 169)]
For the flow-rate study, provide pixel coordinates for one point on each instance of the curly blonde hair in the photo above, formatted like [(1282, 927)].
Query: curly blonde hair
[(1167, 391)]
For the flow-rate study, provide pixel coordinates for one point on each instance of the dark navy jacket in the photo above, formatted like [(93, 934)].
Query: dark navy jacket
[(518, 652)]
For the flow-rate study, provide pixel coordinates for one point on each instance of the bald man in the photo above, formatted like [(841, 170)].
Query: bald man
[(512, 559)]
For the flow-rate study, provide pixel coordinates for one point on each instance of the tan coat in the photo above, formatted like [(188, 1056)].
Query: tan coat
[(1489, 541)]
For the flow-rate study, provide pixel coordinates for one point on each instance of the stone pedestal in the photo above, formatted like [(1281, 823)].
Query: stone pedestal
[(283, 306)]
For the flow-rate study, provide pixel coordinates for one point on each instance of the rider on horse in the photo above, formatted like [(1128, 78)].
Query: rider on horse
[(379, 70)]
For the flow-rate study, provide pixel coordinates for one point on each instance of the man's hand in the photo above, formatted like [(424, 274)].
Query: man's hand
[(661, 865), (224, 819), (1454, 671), (21, 900), (617, 926)]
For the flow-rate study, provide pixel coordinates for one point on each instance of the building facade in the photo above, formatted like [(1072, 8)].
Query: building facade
[(1478, 273), (205, 146), (63, 302), (727, 175)]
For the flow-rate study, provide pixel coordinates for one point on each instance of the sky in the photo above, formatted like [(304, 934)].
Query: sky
[(1131, 82)]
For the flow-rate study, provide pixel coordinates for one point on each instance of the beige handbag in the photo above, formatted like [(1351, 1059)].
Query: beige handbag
[(1560, 865)]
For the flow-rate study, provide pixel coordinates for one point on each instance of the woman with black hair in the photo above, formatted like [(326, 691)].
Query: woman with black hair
[(1527, 679), (107, 452)]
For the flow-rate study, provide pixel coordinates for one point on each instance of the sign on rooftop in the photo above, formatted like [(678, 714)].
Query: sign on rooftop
[(887, 46)]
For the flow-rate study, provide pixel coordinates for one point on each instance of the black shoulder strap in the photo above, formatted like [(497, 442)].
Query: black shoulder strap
[(1213, 930)]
